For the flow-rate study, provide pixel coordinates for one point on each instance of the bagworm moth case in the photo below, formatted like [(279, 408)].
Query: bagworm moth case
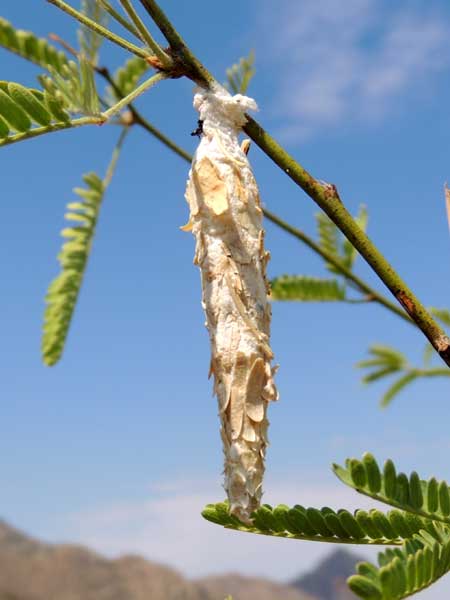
[(226, 220)]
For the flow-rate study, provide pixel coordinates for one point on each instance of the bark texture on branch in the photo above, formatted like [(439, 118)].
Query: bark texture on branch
[(226, 220)]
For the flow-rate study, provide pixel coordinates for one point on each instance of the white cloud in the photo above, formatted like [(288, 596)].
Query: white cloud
[(341, 61), (168, 528)]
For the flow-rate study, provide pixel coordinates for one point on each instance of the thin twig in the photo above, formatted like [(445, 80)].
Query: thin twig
[(133, 95), (38, 131), (118, 17), (115, 157), (82, 18), (145, 35), (141, 121), (436, 372), (67, 47)]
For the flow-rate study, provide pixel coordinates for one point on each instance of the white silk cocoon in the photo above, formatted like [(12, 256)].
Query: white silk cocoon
[(226, 220)]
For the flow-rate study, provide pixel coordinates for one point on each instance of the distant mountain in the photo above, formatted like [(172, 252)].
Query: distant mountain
[(32, 570), (327, 581), (248, 588)]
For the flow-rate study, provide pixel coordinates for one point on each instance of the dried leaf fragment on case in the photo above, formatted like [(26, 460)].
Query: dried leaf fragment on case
[(226, 220)]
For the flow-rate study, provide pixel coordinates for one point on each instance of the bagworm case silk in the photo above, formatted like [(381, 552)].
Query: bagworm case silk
[(226, 220)]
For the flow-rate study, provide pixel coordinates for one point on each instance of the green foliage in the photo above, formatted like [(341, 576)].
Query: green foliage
[(419, 526), (333, 242), (127, 77), (421, 561), (89, 40), (27, 112), (306, 289), (28, 46), (387, 361), (74, 85), (428, 499), (63, 292), (23, 108), (324, 525), (240, 74)]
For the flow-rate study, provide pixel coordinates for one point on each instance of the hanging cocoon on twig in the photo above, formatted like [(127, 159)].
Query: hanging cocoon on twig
[(226, 220)]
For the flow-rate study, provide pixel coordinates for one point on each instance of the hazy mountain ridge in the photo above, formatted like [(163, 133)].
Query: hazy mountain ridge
[(327, 580), (34, 570)]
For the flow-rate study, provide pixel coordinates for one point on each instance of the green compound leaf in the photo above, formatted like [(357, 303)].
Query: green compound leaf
[(74, 86), (427, 500), (397, 387), (306, 289), (33, 107), (240, 74), (323, 525), (386, 361), (402, 572), (127, 77), (63, 292), (26, 112), (384, 356), (28, 46)]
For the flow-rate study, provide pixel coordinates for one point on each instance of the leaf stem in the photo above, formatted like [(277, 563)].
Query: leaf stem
[(144, 34), (436, 372), (118, 17), (311, 538), (38, 131), (134, 94), (99, 28), (140, 120), (115, 157)]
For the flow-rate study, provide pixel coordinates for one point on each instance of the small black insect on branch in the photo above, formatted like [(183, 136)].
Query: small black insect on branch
[(199, 130)]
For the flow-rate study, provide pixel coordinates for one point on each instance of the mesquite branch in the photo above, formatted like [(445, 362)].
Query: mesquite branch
[(325, 195)]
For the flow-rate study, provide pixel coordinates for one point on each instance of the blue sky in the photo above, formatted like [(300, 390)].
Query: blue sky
[(118, 445)]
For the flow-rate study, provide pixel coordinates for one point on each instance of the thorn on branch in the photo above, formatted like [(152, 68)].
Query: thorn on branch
[(331, 191)]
